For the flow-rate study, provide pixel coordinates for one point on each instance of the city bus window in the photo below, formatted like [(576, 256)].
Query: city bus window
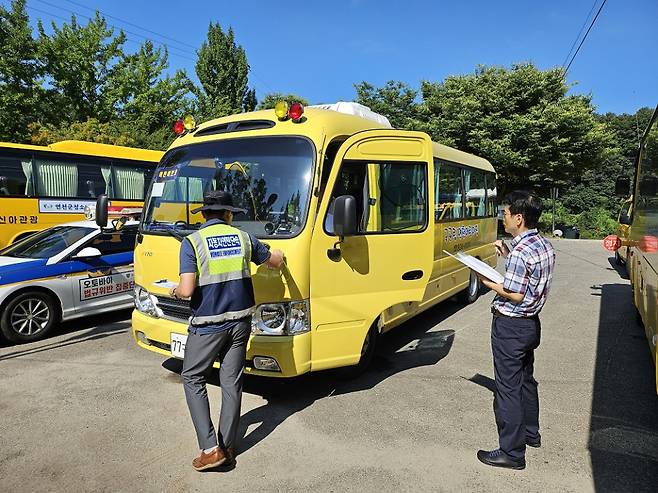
[(129, 182), (56, 177), (94, 180), (474, 188), (492, 196), (449, 191), (16, 176)]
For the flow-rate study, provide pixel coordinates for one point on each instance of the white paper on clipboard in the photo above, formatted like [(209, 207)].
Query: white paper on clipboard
[(165, 284), (478, 266)]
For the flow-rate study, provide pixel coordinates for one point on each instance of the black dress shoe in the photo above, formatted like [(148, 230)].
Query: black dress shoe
[(534, 443), (498, 458)]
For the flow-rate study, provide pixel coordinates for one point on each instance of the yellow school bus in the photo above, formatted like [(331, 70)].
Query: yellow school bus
[(41, 186), (363, 213), (642, 244)]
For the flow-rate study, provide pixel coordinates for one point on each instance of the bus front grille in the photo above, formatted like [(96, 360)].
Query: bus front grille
[(175, 309)]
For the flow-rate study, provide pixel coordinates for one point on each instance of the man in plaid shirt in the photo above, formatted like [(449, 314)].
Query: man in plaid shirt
[(515, 330)]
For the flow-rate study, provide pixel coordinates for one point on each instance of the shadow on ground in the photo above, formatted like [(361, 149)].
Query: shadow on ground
[(623, 439), (414, 344), (82, 330)]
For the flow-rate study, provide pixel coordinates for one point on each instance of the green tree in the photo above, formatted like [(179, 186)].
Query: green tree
[(145, 102), (269, 100), (90, 130), (223, 71), (396, 101), (522, 121), (80, 63), (21, 94), (250, 101)]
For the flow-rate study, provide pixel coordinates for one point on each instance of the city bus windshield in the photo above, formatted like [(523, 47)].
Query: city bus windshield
[(269, 177)]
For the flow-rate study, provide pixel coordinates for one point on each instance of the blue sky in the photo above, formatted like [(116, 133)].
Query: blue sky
[(320, 49)]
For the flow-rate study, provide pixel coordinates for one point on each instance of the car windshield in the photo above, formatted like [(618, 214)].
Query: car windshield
[(269, 177), (47, 243)]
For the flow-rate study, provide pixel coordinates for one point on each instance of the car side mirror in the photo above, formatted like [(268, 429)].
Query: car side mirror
[(622, 186), (101, 210), (88, 252), (624, 219)]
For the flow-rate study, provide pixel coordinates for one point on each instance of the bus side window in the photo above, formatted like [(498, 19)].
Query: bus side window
[(492, 195), (16, 176), (449, 192), (351, 180), (329, 156)]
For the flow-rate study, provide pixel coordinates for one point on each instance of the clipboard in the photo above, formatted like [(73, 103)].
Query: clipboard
[(478, 266)]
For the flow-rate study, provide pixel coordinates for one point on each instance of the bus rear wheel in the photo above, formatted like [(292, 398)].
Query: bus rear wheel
[(28, 317)]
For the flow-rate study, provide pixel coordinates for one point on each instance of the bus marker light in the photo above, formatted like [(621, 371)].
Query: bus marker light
[(296, 111), (189, 123), (179, 127), (612, 243), (281, 110)]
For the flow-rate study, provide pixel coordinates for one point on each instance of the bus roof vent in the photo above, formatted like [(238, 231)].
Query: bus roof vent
[(242, 126), (356, 109)]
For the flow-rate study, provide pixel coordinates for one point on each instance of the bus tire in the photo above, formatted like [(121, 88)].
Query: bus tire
[(28, 316), (367, 355), (472, 292)]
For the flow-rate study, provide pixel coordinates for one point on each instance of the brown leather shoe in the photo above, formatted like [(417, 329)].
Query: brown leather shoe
[(210, 460)]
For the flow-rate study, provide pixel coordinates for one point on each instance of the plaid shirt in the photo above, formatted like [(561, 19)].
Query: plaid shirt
[(528, 270)]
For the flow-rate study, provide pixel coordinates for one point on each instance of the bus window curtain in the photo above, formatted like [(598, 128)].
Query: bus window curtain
[(57, 179), (29, 183), (129, 183), (106, 171), (195, 187)]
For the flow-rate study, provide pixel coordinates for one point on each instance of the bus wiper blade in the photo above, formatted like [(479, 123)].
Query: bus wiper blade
[(169, 229)]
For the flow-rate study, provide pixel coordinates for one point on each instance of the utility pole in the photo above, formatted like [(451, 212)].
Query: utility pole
[(554, 193)]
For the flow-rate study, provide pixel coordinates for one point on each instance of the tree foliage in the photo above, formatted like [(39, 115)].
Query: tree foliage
[(223, 71), (21, 94)]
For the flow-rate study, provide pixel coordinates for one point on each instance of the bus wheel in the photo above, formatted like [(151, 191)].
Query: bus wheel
[(28, 317), (367, 355), (472, 292)]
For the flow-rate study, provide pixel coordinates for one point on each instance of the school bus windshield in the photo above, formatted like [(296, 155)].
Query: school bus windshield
[(269, 177)]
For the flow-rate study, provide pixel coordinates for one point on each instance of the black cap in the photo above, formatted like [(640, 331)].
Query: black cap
[(218, 200)]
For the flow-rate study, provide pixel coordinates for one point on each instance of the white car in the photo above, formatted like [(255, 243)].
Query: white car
[(64, 272)]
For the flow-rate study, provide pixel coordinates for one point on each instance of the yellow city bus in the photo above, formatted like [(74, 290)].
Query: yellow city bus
[(397, 199), (41, 186), (642, 256)]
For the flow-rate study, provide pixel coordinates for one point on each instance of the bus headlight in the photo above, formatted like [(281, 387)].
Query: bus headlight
[(281, 318), (143, 302)]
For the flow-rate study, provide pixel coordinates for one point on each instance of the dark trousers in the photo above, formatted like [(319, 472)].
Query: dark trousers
[(516, 402), (201, 351)]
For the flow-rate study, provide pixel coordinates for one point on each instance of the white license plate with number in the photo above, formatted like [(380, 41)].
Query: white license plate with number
[(178, 345)]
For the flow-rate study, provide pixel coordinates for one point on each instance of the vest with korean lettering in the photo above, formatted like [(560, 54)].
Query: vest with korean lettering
[(224, 290)]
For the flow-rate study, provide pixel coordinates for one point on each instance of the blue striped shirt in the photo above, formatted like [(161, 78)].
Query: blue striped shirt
[(528, 270)]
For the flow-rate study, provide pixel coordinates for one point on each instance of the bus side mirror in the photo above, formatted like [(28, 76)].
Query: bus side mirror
[(649, 186), (101, 210), (345, 216), (624, 219), (622, 186)]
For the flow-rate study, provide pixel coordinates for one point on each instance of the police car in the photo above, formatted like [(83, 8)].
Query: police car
[(64, 272)]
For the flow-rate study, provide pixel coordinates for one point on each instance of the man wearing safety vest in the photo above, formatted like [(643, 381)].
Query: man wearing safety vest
[(215, 273)]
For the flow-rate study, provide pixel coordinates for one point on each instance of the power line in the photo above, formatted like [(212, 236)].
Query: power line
[(582, 28), (131, 24), (584, 38)]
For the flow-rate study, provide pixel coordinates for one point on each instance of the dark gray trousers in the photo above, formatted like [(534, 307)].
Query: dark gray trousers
[(516, 401), (201, 351)]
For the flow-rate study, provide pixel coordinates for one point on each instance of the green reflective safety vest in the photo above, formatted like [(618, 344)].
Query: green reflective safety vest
[(223, 255)]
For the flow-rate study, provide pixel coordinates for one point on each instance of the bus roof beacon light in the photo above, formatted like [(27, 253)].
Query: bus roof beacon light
[(295, 112), (189, 123), (281, 110), (179, 127)]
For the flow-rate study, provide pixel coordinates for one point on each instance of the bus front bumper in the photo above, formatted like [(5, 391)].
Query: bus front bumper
[(291, 353)]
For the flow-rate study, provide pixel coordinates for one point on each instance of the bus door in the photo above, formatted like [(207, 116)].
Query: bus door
[(389, 260)]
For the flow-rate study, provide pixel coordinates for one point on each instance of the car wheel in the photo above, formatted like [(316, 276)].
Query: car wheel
[(472, 292), (28, 317)]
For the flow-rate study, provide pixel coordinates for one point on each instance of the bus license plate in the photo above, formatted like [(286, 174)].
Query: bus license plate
[(178, 345)]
